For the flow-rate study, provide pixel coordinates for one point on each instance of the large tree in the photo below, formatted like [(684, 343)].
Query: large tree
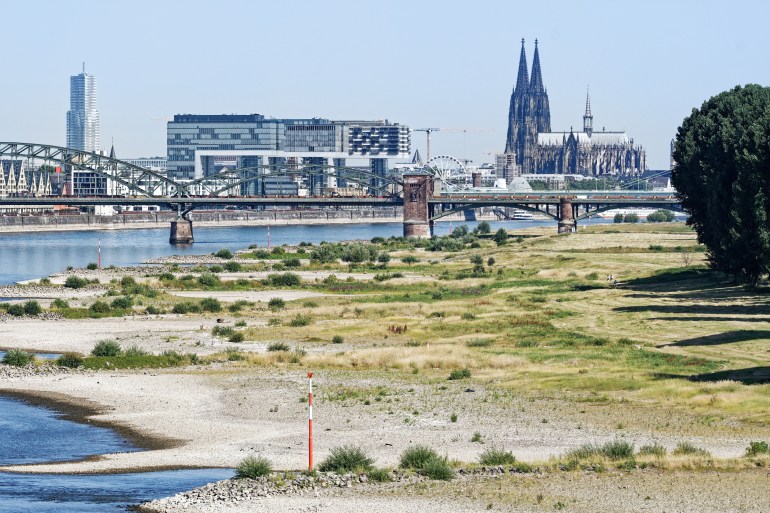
[(722, 174)]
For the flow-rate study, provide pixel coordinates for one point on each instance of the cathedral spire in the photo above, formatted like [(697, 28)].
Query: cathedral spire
[(522, 81), (588, 118), (536, 84)]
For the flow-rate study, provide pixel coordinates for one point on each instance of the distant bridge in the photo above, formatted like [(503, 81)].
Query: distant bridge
[(419, 193)]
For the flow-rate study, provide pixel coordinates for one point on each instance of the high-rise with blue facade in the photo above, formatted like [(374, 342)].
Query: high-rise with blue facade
[(83, 118)]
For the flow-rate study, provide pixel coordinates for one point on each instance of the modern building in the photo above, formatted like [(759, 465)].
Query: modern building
[(83, 118), (204, 145), (153, 163), (536, 149)]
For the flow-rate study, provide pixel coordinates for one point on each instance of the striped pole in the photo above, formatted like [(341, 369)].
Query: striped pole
[(268, 236), (99, 255), (310, 423)]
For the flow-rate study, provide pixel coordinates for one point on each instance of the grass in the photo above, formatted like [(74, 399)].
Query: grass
[(417, 457), (347, 459), (17, 358), (497, 456), (253, 467), (689, 449)]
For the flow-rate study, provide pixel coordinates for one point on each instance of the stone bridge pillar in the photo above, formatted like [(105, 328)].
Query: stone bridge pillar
[(567, 223), (418, 187), (181, 227)]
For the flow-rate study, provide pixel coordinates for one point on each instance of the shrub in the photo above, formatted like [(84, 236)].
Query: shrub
[(477, 438), (209, 280), (237, 337), (483, 227), (44, 281), (346, 459), (32, 308), (59, 304), (166, 277), (222, 331), (106, 348), (300, 320), (17, 358), (383, 258), (75, 282), (233, 267), (757, 448), (618, 218), (656, 247), (656, 449), (292, 262), (135, 351), (16, 310), (92, 266), (410, 259), (460, 374), (310, 304), (631, 218), (71, 360), (284, 280), (216, 269), (496, 456), (417, 457), (618, 450), (276, 303), (122, 302), (438, 469), (278, 346), (253, 467), (225, 254), (479, 342), (210, 304), (379, 475), (152, 310), (278, 250), (337, 339), (240, 324), (689, 449), (99, 307), (185, 307)]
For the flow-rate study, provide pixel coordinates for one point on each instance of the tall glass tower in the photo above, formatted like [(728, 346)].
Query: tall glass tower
[(83, 118)]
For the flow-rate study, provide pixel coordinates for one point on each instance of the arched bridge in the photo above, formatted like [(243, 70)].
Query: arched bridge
[(418, 192)]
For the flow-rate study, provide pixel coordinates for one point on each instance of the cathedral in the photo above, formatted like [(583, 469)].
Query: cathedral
[(536, 149)]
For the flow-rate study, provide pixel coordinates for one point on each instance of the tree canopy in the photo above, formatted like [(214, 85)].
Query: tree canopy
[(722, 175)]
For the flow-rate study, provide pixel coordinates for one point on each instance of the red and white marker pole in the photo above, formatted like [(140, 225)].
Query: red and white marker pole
[(310, 423), (99, 255), (268, 236)]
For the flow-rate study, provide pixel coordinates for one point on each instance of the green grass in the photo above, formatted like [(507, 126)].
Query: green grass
[(417, 457), (253, 467), (17, 358), (347, 459), (496, 456)]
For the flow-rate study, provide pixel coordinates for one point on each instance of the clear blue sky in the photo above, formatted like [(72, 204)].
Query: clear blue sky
[(420, 63)]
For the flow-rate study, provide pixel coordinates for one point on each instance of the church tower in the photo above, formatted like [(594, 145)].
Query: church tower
[(519, 108), (588, 118)]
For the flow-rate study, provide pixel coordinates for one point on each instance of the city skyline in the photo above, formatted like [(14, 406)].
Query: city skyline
[(431, 64)]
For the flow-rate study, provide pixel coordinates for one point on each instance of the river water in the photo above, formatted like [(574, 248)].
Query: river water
[(31, 434)]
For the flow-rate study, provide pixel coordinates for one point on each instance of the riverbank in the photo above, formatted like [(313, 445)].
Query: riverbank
[(535, 354)]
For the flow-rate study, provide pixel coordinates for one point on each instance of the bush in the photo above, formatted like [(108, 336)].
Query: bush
[(618, 218), (233, 267), (135, 351), (209, 280), (222, 331), (410, 259), (417, 457), (460, 374), (494, 456), (284, 280), (383, 258), (16, 310), (501, 237), (32, 307), (152, 310), (106, 348), (379, 475), (300, 320), (614, 450), (225, 254), (656, 449), (276, 303), (122, 303), (337, 339), (92, 266), (292, 262), (237, 337), (347, 459), (757, 448), (689, 449), (439, 469), (185, 307), (483, 227), (216, 269), (99, 307), (59, 304), (278, 346), (210, 304), (253, 467), (17, 358), (631, 218), (71, 360), (75, 282)]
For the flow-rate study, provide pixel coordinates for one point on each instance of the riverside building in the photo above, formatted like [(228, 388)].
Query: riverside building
[(205, 145)]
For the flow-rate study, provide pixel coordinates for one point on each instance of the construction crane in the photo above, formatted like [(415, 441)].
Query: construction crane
[(428, 131)]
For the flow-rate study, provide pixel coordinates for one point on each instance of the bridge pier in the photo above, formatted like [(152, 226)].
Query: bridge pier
[(417, 188), (181, 231), (567, 222)]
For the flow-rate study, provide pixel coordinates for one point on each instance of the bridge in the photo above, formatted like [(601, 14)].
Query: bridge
[(420, 193)]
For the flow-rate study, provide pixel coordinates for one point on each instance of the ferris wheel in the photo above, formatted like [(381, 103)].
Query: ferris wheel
[(450, 171)]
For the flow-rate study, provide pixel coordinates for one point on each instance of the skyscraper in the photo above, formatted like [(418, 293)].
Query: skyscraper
[(83, 118)]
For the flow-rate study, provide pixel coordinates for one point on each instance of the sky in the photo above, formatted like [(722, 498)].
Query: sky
[(443, 64)]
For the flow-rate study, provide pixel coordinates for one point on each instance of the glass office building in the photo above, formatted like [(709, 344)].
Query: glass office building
[(202, 145), (83, 118)]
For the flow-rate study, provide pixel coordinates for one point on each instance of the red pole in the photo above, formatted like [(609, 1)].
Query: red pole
[(268, 236), (99, 256), (310, 423)]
